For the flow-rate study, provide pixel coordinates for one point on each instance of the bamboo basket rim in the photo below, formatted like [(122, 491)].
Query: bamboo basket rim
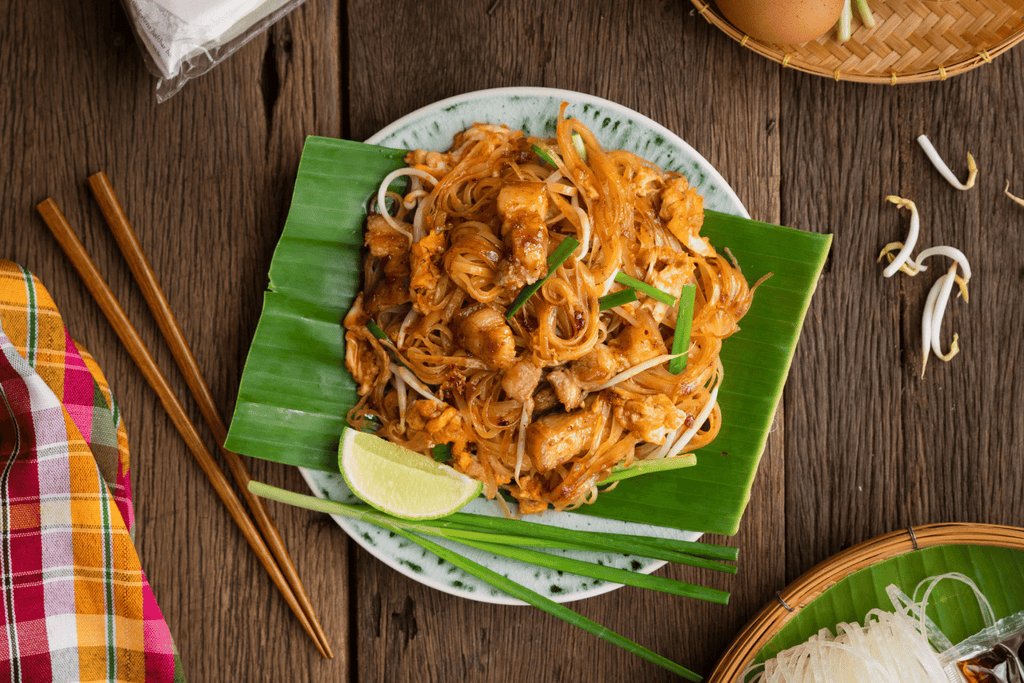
[(941, 72), (777, 613)]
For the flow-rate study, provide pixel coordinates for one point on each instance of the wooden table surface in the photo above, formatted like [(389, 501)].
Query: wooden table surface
[(862, 445)]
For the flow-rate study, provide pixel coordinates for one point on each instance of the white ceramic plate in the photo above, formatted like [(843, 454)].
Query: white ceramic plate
[(534, 111)]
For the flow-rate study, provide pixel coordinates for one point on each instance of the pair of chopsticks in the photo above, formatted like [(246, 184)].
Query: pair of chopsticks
[(275, 558)]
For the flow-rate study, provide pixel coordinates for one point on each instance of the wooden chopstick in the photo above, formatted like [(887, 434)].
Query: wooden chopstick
[(168, 323), (60, 228)]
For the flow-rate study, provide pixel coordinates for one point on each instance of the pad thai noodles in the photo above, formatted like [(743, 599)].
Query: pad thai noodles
[(541, 398)]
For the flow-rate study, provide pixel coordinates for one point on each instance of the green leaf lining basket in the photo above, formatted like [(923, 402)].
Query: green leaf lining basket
[(848, 585)]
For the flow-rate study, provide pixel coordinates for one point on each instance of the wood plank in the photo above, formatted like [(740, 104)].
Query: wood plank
[(872, 447), (206, 179), (964, 428), (652, 59), (842, 400)]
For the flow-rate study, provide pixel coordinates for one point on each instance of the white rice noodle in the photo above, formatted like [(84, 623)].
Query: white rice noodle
[(414, 382), (382, 207), (912, 233), (942, 168), (891, 647), (698, 422), (636, 370)]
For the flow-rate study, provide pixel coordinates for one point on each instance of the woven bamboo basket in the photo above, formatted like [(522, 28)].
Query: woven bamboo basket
[(912, 41), (776, 614)]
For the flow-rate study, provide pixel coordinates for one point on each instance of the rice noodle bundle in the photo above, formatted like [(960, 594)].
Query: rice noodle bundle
[(891, 647)]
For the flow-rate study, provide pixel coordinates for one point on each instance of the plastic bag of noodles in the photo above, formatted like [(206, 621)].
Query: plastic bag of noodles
[(182, 39)]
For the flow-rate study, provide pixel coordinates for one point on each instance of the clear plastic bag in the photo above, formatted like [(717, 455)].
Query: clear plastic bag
[(182, 39), (993, 655)]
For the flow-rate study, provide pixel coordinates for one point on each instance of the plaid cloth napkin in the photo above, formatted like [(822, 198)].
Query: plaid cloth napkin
[(76, 605)]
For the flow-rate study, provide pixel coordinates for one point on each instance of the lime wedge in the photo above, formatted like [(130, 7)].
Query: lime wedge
[(401, 482)]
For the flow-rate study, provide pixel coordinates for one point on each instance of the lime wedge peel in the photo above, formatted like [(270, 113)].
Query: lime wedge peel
[(399, 481)]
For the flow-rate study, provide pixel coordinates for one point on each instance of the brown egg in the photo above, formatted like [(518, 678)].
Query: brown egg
[(782, 21)]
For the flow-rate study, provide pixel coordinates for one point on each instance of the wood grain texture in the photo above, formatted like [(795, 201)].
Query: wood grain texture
[(862, 445), (205, 179)]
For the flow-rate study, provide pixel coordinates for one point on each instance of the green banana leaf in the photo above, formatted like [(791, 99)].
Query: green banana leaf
[(952, 606), (295, 390)]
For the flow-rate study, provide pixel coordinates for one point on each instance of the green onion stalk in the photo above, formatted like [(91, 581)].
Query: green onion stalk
[(520, 540)]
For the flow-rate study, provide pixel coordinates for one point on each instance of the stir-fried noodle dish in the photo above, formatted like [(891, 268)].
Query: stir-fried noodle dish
[(540, 393)]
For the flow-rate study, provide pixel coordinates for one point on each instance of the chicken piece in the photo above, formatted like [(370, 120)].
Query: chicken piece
[(670, 270), (566, 388), (642, 342), (426, 273), (648, 418), (683, 208), (391, 249), (530, 494), (383, 240), (482, 331), (544, 400), (438, 163), (556, 439), (391, 290), (523, 207), (445, 425), (596, 367), (521, 380), (647, 182), (586, 374)]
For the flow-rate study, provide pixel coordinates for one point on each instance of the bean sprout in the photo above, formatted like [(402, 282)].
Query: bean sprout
[(1012, 196), (939, 312), (382, 207), (912, 233), (942, 168), (636, 370)]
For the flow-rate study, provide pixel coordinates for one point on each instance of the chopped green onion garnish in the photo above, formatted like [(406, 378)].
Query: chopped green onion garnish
[(371, 423), (389, 345), (557, 258), (614, 299), (376, 331), (649, 290), (442, 452), (684, 323), (581, 149), (543, 155)]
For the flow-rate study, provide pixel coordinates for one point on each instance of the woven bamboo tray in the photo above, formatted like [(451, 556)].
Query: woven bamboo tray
[(776, 614), (912, 41)]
